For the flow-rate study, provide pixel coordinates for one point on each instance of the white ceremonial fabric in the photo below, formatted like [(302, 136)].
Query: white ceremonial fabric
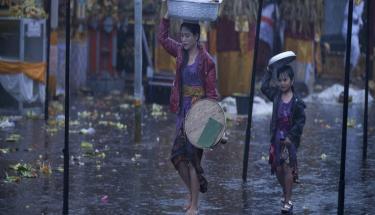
[(22, 88)]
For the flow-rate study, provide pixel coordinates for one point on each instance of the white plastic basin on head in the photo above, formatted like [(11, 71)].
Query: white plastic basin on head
[(281, 59)]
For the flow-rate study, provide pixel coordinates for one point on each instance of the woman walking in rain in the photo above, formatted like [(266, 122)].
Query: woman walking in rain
[(195, 79), (288, 120)]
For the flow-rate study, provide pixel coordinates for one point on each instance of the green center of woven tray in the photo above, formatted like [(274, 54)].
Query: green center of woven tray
[(210, 133)]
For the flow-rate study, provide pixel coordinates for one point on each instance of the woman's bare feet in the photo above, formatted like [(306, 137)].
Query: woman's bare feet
[(192, 211), (188, 204)]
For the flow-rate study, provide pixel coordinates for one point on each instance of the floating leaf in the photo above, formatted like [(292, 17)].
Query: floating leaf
[(56, 106), (87, 131), (103, 122), (29, 174), (13, 138), (351, 123), (74, 122), (6, 124), (117, 125), (5, 150), (84, 114), (124, 106), (25, 170), (86, 145), (11, 179), (60, 169), (89, 153), (32, 115), (101, 155), (157, 110), (93, 154), (120, 126), (52, 130)]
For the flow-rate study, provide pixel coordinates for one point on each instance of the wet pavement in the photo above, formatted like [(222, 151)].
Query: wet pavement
[(123, 177)]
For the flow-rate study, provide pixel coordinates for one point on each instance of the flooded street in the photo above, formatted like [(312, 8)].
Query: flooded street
[(113, 60), (110, 174)]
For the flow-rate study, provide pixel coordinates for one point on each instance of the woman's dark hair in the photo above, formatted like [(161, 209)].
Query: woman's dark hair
[(194, 28), (285, 69)]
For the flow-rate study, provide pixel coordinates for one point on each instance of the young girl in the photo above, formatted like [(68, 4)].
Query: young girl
[(288, 120), (195, 79)]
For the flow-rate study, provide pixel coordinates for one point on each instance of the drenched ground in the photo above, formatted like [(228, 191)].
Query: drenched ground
[(111, 174)]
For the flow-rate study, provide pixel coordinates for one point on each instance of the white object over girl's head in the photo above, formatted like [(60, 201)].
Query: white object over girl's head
[(281, 59)]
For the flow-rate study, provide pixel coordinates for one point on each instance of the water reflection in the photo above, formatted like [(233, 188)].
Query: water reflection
[(149, 184)]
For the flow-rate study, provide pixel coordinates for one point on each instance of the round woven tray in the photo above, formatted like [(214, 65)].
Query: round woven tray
[(197, 121)]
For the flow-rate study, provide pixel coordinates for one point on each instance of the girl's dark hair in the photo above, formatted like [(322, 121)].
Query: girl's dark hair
[(194, 28), (286, 69)]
